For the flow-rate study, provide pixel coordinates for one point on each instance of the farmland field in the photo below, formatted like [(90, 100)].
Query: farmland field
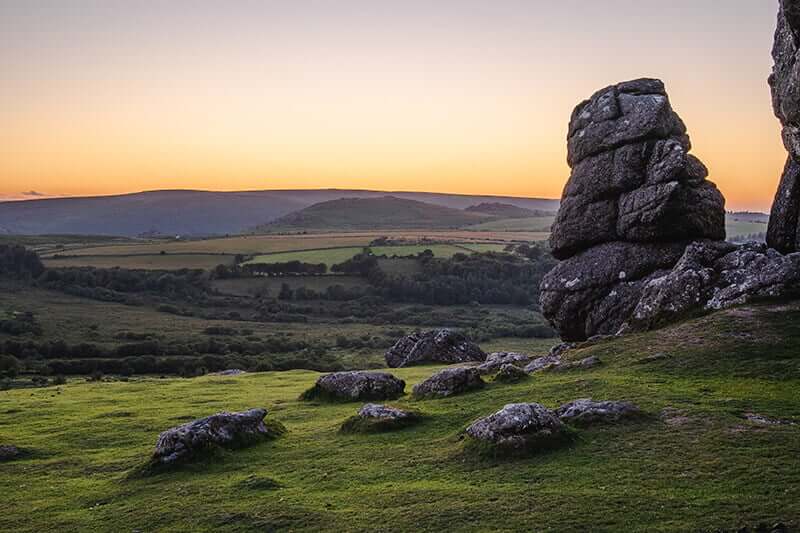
[(143, 261), (541, 224)]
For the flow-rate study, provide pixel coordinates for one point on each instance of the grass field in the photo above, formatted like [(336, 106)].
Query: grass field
[(541, 224), (146, 262), (700, 466), (735, 228)]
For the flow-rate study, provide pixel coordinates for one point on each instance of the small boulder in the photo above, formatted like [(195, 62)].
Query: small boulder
[(8, 452), (230, 372), (373, 418), (494, 361), (448, 382), (435, 346), (356, 386), (224, 429), (543, 363), (518, 428), (511, 374), (585, 412)]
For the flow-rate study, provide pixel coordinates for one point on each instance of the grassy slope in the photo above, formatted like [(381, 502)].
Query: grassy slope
[(709, 469), (374, 213), (332, 256)]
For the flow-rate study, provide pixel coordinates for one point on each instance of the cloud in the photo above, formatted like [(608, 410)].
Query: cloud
[(33, 193)]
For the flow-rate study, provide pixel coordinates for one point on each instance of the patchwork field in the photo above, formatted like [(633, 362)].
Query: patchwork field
[(144, 261), (695, 463)]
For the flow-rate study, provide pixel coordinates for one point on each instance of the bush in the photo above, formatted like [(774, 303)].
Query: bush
[(9, 366)]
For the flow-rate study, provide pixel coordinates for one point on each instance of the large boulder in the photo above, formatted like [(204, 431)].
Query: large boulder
[(585, 412), (374, 418), (356, 386), (511, 374), (519, 428), (449, 382), (634, 199), (782, 233), (435, 346), (223, 429)]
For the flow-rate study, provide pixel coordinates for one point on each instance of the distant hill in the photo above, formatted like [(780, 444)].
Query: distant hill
[(387, 212), (197, 213), (501, 210)]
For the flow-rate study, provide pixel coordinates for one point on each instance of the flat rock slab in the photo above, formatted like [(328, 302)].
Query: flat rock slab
[(519, 427), (449, 382), (372, 418), (494, 361), (585, 412), (222, 429), (435, 346), (356, 386)]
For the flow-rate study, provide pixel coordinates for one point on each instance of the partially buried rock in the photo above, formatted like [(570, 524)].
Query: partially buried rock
[(375, 418), (511, 374), (494, 361), (435, 346), (585, 412), (548, 362), (518, 428), (8, 452), (356, 386), (226, 430), (449, 382)]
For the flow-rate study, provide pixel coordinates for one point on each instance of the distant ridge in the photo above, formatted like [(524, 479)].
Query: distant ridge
[(498, 209), (198, 213)]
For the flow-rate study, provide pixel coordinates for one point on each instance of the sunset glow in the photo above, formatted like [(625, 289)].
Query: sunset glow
[(452, 96)]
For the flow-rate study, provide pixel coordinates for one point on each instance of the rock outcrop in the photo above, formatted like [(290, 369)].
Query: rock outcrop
[(635, 198), (585, 412), (519, 428), (223, 429), (494, 361), (782, 233), (356, 386), (449, 382), (373, 418), (435, 346), (510, 374)]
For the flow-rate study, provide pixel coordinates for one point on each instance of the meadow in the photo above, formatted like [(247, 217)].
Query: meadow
[(695, 463)]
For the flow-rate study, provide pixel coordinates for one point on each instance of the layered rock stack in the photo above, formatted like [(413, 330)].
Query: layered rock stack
[(634, 200), (782, 233)]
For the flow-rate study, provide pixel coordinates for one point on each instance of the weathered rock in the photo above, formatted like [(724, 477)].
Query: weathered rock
[(494, 361), (595, 292), (782, 233), (543, 363), (448, 382), (229, 372), (633, 178), (8, 452), (356, 386), (436, 346), (585, 412), (222, 429), (510, 373), (583, 364), (372, 418), (519, 427), (716, 275)]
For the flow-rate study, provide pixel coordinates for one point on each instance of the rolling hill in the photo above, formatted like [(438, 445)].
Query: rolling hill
[(197, 213), (501, 210), (387, 212)]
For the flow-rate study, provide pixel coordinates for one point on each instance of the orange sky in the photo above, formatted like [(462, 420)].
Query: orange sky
[(465, 96)]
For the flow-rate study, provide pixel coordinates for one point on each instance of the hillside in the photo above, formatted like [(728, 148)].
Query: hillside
[(184, 212), (387, 212), (719, 449), (500, 210)]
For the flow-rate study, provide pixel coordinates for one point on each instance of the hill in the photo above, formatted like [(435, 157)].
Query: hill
[(197, 213), (387, 212), (719, 449), (500, 210)]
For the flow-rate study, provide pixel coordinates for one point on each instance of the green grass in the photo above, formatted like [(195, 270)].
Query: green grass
[(332, 256), (706, 469), (541, 224), (735, 228)]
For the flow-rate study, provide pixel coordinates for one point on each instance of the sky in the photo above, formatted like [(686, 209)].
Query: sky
[(462, 96)]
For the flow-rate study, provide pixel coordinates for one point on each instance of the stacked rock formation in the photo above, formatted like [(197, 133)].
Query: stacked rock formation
[(782, 233), (634, 200)]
